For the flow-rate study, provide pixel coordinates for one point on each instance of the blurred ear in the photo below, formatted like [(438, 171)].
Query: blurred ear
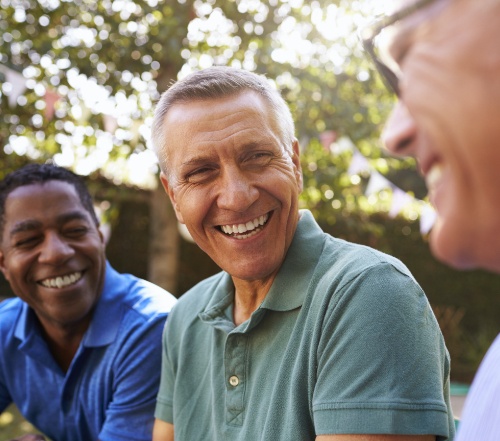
[(171, 195), (296, 164), (2, 265)]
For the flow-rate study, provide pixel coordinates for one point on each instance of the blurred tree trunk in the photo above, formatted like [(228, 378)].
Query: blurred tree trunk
[(163, 261)]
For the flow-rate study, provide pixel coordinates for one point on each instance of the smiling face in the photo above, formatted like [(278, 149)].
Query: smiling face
[(233, 183), (448, 118), (52, 253)]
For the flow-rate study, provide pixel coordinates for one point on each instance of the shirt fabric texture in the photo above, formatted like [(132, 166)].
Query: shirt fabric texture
[(109, 391), (345, 342), (481, 414)]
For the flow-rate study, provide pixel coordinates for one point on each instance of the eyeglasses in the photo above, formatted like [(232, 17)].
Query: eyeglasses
[(369, 33)]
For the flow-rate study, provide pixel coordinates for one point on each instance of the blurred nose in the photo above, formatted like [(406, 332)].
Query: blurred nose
[(400, 131), (237, 191), (55, 250)]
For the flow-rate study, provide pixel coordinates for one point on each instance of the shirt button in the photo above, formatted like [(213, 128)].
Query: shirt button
[(234, 380)]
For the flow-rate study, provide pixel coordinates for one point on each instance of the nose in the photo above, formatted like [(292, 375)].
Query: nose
[(399, 134), (55, 250), (237, 191)]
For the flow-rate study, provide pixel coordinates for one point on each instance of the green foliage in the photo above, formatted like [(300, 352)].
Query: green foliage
[(113, 58), (13, 425)]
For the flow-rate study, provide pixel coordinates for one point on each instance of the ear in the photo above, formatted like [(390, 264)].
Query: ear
[(3, 269), (171, 195), (296, 164)]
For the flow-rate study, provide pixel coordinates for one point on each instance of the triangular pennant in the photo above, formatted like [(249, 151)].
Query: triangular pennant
[(376, 183), (427, 219), (358, 164), (342, 145), (18, 83), (327, 139), (110, 123), (51, 98), (399, 200)]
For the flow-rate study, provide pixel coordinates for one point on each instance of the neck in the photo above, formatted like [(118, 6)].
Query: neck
[(63, 341), (248, 296)]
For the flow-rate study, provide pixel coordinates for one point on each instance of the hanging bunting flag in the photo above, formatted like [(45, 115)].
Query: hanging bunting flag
[(51, 98), (341, 145), (400, 199), (427, 219), (358, 164), (18, 83), (327, 139), (110, 123), (376, 183)]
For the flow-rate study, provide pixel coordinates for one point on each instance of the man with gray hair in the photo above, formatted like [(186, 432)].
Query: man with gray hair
[(301, 336), (441, 59)]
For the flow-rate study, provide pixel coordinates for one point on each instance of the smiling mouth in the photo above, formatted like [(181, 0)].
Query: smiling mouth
[(62, 281), (433, 176), (249, 229)]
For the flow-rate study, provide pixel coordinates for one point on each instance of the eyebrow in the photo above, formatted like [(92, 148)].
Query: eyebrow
[(210, 158), (33, 224)]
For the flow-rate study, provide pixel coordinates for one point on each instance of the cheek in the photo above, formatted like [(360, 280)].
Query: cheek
[(191, 205)]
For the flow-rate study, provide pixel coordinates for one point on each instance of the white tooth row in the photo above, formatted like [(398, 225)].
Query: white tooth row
[(433, 176), (243, 228), (60, 282)]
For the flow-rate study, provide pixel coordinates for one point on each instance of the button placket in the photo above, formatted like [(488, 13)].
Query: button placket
[(235, 368)]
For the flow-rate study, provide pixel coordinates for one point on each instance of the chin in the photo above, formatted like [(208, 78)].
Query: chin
[(450, 250), (464, 249)]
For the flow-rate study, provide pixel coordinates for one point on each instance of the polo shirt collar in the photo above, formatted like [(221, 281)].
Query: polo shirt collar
[(23, 324), (108, 313), (105, 321), (289, 288), (290, 285)]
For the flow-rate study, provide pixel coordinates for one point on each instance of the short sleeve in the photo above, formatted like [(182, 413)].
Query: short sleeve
[(382, 362), (130, 415)]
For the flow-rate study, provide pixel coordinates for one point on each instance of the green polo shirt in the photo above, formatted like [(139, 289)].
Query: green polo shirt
[(344, 343)]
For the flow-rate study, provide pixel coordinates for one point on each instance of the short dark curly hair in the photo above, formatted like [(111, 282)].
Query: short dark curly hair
[(39, 174)]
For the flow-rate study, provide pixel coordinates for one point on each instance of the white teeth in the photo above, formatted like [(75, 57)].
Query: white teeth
[(61, 282), (433, 176), (249, 227)]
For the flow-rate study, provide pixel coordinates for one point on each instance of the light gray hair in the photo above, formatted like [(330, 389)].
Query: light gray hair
[(213, 83)]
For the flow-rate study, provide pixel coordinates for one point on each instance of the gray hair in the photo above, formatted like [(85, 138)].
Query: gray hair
[(219, 82)]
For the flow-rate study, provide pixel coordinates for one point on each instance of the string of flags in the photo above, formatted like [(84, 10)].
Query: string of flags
[(377, 183), (17, 85)]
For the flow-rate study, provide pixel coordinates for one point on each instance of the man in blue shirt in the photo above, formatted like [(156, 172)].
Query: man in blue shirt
[(80, 344)]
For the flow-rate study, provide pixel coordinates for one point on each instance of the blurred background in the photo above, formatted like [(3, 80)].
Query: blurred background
[(78, 83)]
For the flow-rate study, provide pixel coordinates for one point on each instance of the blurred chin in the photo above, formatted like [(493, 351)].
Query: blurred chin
[(451, 247)]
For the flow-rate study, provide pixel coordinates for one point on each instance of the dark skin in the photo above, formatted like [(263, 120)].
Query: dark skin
[(54, 261)]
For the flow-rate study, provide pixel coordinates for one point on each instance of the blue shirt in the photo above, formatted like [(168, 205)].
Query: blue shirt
[(109, 391)]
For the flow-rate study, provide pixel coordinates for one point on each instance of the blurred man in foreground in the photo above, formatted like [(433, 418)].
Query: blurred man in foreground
[(302, 336), (81, 343), (441, 58)]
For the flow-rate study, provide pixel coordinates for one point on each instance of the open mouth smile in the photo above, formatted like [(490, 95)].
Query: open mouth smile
[(62, 281), (249, 229)]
